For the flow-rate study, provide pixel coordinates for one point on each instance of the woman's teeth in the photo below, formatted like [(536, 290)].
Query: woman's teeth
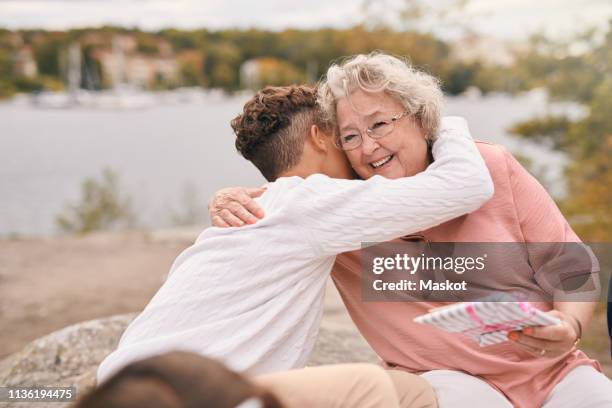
[(381, 162)]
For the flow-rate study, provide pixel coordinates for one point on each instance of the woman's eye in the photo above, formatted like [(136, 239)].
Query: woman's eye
[(380, 124), (348, 138)]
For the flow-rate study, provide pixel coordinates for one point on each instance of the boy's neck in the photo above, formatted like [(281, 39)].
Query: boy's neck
[(300, 170)]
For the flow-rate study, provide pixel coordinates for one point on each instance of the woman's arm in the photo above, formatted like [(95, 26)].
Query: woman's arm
[(235, 207), (543, 225)]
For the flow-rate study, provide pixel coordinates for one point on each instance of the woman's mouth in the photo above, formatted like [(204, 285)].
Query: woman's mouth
[(379, 163)]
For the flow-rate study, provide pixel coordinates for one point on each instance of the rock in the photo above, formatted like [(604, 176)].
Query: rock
[(340, 343), (70, 356), (67, 357)]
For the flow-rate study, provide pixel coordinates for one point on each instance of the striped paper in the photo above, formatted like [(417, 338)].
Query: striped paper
[(487, 322)]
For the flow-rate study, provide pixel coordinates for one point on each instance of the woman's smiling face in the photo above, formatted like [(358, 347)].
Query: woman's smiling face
[(401, 153)]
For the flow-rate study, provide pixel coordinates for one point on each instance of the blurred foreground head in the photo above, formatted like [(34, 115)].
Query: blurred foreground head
[(177, 380)]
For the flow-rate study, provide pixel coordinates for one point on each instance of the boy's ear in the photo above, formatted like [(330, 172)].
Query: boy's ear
[(318, 139)]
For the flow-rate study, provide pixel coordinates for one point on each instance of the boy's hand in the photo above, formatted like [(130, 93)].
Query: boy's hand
[(235, 207)]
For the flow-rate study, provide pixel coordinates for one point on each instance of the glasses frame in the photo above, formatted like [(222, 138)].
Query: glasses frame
[(371, 132)]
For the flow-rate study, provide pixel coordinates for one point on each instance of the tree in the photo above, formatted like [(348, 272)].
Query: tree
[(48, 56), (587, 142), (221, 65), (101, 207)]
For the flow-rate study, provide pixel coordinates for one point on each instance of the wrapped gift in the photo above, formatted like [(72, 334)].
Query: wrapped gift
[(487, 322)]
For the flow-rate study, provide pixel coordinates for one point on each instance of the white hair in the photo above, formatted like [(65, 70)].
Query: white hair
[(417, 91)]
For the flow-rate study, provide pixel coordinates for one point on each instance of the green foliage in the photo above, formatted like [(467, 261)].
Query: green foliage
[(221, 65), (51, 83), (23, 84), (303, 54), (101, 207), (7, 89), (566, 74), (146, 44), (275, 72), (91, 69), (590, 175), (6, 62), (191, 76), (306, 54), (549, 129), (47, 56), (459, 77), (184, 40), (588, 141)]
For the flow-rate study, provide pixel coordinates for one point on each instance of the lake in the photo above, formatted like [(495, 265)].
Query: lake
[(178, 152)]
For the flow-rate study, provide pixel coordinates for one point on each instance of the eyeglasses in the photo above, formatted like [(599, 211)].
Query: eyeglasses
[(379, 130)]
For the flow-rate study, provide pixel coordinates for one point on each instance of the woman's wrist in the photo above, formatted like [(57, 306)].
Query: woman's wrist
[(576, 326)]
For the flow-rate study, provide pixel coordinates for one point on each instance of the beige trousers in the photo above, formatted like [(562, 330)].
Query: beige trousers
[(350, 386)]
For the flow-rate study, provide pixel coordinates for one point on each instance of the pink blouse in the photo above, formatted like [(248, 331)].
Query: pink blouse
[(520, 211)]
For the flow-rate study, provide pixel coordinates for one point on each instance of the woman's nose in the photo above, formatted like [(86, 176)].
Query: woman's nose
[(368, 144)]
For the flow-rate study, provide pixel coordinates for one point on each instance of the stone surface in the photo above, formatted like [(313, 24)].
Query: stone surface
[(70, 356), (67, 357)]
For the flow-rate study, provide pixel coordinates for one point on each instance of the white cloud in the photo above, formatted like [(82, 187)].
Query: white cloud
[(505, 18), (560, 18), (154, 14)]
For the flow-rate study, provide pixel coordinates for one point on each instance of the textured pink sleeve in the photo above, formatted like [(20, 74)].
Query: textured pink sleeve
[(539, 217), (560, 269)]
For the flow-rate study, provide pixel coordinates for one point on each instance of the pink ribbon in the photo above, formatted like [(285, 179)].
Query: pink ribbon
[(508, 325)]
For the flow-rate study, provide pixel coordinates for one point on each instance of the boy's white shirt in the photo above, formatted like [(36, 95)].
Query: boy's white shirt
[(253, 296)]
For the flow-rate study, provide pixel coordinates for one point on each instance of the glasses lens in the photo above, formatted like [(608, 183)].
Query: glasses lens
[(381, 128), (349, 142)]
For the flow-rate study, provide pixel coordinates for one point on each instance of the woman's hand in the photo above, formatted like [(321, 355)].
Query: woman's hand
[(548, 341), (235, 207)]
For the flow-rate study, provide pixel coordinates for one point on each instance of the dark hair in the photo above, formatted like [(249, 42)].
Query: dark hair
[(176, 380), (273, 126)]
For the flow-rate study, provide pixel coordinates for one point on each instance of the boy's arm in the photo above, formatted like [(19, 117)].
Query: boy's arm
[(236, 206), (338, 215)]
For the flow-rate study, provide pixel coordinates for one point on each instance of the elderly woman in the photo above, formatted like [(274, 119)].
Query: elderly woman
[(540, 366)]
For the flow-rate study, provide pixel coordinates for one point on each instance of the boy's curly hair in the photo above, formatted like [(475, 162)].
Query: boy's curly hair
[(273, 126)]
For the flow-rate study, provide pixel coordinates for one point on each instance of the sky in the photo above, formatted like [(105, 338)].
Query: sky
[(508, 19)]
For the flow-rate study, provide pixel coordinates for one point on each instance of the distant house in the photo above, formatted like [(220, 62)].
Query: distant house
[(122, 64), (25, 65), (249, 74), (147, 71)]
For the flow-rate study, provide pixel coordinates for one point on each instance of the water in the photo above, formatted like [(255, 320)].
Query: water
[(163, 151)]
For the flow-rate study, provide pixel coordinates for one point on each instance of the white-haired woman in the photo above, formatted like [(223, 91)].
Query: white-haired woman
[(366, 97)]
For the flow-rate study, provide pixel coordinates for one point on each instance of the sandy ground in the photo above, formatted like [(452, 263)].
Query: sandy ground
[(47, 284)]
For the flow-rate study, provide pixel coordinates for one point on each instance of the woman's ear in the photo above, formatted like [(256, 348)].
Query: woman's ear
[(318, 139)]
